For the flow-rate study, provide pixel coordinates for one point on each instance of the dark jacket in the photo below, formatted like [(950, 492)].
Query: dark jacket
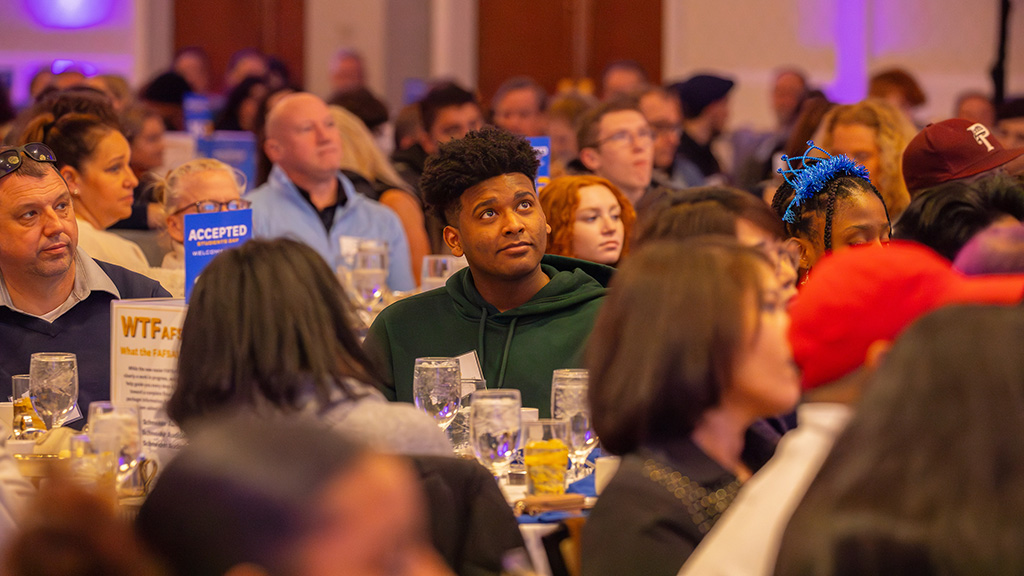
[(658, 507), (471, 524), (518, 348)]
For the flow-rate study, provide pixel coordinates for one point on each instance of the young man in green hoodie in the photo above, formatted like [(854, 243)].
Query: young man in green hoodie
[(523, 313)]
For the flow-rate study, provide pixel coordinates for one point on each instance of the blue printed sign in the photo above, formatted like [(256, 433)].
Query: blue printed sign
[(207, 235), (198, 113), (542, 145), (234, 148)]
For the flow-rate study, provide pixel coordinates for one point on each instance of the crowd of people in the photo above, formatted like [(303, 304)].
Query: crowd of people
[(804, 349)]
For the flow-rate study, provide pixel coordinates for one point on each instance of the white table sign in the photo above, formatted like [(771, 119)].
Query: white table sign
[(144, 341)]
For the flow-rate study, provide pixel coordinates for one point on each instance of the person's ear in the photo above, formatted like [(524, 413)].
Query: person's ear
[(272, 148), (427, 143), (176, 227), (876, 354), (590, 158), (808, 255), (71, 176), (453, 238)]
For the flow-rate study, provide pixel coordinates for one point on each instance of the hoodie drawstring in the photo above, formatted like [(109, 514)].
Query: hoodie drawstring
[(504, 355), (508, 344)]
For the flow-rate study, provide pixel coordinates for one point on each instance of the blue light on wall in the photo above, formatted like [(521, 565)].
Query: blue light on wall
[(70, 14)]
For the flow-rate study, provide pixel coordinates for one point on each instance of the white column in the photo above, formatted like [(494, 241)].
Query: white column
[(454, 41)]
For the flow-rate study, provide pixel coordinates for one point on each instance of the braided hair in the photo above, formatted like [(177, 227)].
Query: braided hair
[(812, 185)]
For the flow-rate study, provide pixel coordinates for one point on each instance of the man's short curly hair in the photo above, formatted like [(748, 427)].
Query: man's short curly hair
[(464, 163)]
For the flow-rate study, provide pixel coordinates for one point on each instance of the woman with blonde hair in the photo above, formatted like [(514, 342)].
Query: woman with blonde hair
[(364, 158), (197, 186), (590, 219), (873, 134)]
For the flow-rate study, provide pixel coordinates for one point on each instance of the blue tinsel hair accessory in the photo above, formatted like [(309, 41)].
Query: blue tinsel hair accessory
[(808, 175)]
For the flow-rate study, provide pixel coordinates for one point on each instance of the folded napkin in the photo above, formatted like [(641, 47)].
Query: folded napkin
[(56, 441), (584, 486)]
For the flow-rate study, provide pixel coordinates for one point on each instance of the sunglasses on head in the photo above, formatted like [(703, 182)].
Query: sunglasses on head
[(11, 160)]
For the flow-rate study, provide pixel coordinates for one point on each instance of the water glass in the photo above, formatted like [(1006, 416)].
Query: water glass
[(25, 423), (458, 431), (370, 273), (546, 454), (92, 466), (437, 388), (115, 428), (437, 268), (53, 385), (569, 403), (494, 428)]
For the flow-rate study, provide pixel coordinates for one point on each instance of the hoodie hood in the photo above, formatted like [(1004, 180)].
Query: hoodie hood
[(569, 286), (572, 282)]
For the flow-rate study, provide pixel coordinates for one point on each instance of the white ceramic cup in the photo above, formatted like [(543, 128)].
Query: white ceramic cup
[(605, 468)]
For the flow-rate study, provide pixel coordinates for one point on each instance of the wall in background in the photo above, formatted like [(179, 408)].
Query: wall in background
[(127, 37), (948, 44), (393, 37)]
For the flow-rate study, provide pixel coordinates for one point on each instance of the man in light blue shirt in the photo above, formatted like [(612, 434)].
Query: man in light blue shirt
[(307, 198)]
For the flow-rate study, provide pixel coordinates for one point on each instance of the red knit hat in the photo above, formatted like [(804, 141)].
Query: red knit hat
[(952, 149), (858, 296)]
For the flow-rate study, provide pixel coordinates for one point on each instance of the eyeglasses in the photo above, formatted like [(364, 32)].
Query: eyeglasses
[(206, 206), (10, 160), (627, 138), (784, 253), (666, 129)]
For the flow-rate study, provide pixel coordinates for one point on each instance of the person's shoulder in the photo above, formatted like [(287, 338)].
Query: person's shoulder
[(407, 317), (263, 193), (417, 303), (583, 269), (132, 284), (395, 426)]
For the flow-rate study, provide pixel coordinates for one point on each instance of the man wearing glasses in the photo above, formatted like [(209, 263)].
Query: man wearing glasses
[(663, 111), (307, 198), (616, 142), (53, 296)]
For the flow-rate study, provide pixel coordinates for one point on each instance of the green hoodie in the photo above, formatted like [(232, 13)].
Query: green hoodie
[(518, 348)]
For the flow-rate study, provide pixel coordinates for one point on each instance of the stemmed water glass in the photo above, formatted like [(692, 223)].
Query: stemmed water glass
[(437, 388), (569, 403), (494, 428), (115, 428), (458, 431), (53, 385)]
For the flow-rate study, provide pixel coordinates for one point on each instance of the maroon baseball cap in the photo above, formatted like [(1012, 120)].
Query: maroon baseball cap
[(950, 150), (857, 296)]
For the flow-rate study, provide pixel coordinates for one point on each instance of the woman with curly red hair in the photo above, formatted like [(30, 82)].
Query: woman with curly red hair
[(590, 219)]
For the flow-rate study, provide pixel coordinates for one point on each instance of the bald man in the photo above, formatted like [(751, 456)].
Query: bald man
[(307, 198)]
